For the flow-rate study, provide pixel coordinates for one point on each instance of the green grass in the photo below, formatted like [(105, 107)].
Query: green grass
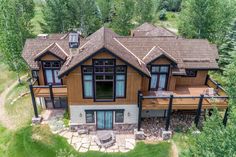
[(171, 22), (38, 141), (20, 111), (182, 141), (6, 77)]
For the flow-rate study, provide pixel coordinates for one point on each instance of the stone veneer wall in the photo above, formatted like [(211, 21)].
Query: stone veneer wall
[(77, 117)]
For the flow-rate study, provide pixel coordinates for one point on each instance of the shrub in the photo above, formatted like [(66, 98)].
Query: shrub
[(162, 15)]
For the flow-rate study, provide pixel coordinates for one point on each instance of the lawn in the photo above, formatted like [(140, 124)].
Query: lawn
[(7, 77), (17, 107), (182, 141), (38, 141)]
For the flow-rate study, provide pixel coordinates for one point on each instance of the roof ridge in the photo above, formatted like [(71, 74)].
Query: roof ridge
[(61, 48), (44, 49), (138, 59), (149, 52), (166, 53)]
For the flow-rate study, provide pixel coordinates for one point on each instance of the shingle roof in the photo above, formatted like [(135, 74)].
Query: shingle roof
[(146, 30), (55, 49), (137, 51), (104, 38)]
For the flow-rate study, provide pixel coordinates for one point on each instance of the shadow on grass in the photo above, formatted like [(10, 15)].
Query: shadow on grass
[(38, 141)]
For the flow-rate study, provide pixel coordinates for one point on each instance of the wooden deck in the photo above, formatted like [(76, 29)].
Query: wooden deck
[(45, 92), (188, 102)]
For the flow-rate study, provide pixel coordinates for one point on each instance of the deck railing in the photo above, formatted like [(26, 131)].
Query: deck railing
[(50, 91), (174, 102)]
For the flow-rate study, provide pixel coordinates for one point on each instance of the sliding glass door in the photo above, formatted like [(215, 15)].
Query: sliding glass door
[(104, 120)]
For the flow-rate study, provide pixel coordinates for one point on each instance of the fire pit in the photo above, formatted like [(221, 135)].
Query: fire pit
[(105, 139)]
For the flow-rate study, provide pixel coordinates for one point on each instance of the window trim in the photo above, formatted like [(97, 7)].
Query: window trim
[(159, 73), (125, 80), (83, 86), (93, 120), (195, 73), (52, 69), (122, 118)]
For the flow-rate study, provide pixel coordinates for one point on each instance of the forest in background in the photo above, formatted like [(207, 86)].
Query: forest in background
[(214, 20)]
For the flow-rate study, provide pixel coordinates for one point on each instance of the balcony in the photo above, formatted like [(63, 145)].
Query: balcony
[(46, 91)]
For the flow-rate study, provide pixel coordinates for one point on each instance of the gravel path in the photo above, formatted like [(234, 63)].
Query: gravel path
[(4, 118)]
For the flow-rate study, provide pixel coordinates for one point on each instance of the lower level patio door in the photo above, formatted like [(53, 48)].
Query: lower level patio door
[(104, 120)]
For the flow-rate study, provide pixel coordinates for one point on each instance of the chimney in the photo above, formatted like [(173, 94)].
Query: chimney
[(74, 40), (42, 36)]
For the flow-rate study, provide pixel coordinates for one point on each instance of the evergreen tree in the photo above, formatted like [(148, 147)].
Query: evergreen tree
[(207, 19), (106, 8), (228, 47), (56, 17), (15, 27), (122, 20), (144, 11)]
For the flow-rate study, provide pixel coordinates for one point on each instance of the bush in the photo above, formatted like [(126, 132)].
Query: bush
[(162, 15), (66, 118)]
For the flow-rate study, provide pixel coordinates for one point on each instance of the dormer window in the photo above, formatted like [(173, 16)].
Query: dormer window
[(74, 40)]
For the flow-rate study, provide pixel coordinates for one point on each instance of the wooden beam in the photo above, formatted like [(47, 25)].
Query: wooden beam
[(51, 95), (169, 113), (199, 110), (33, 101), (226, 116), (140, 111)]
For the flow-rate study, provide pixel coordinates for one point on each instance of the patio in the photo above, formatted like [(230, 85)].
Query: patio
[(84, 142)]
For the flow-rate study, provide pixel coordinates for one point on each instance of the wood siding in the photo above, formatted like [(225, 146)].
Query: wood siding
[(75, 90), (200, 79)]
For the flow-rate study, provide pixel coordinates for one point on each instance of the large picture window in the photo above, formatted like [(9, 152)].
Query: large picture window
[(159, 77), (120, 81), (87, 81), (104, 79)]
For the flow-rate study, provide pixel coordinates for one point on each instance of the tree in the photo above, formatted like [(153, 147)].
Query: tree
[(144, 11), (56, 17), (106, 8), (215, 140), (228, 47), (15, 27), (170, 5), (64, 15), (207, 19), (122, 20)]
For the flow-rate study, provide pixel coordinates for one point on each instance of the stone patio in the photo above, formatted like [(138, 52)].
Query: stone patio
[(84, 143)]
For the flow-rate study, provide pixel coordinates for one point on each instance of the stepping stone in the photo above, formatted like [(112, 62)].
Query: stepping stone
[(102, 150), (77, 146), (75, 140), (94, 148), (69, 141), (109, 150), (123, 150), (85, 140), (68, 134), (85, 145), (83, 150)]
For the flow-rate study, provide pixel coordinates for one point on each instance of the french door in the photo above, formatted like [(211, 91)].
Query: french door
[(104, 120), (51, 76)]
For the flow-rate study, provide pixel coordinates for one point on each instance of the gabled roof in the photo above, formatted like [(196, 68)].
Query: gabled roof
[(148, 30), (53, 49), (136, 51), (104, 38)]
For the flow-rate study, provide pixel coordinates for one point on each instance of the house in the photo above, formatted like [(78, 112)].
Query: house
[(108, 81)]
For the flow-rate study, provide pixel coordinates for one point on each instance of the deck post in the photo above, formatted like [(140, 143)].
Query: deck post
[(51, 95), (199, 110), (33, 101), (169, 112), (140, 110), (226, 116), (139, 92)]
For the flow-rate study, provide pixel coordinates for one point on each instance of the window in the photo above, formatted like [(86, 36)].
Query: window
[(120, 81), (191, 73), (119, 116), (51, 70), (87, 81), (104, 79), (90, 117), (159, 77)]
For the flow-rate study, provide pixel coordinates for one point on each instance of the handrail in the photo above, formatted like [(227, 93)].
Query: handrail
[(48, 86), (217, 84), (184, 97)]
